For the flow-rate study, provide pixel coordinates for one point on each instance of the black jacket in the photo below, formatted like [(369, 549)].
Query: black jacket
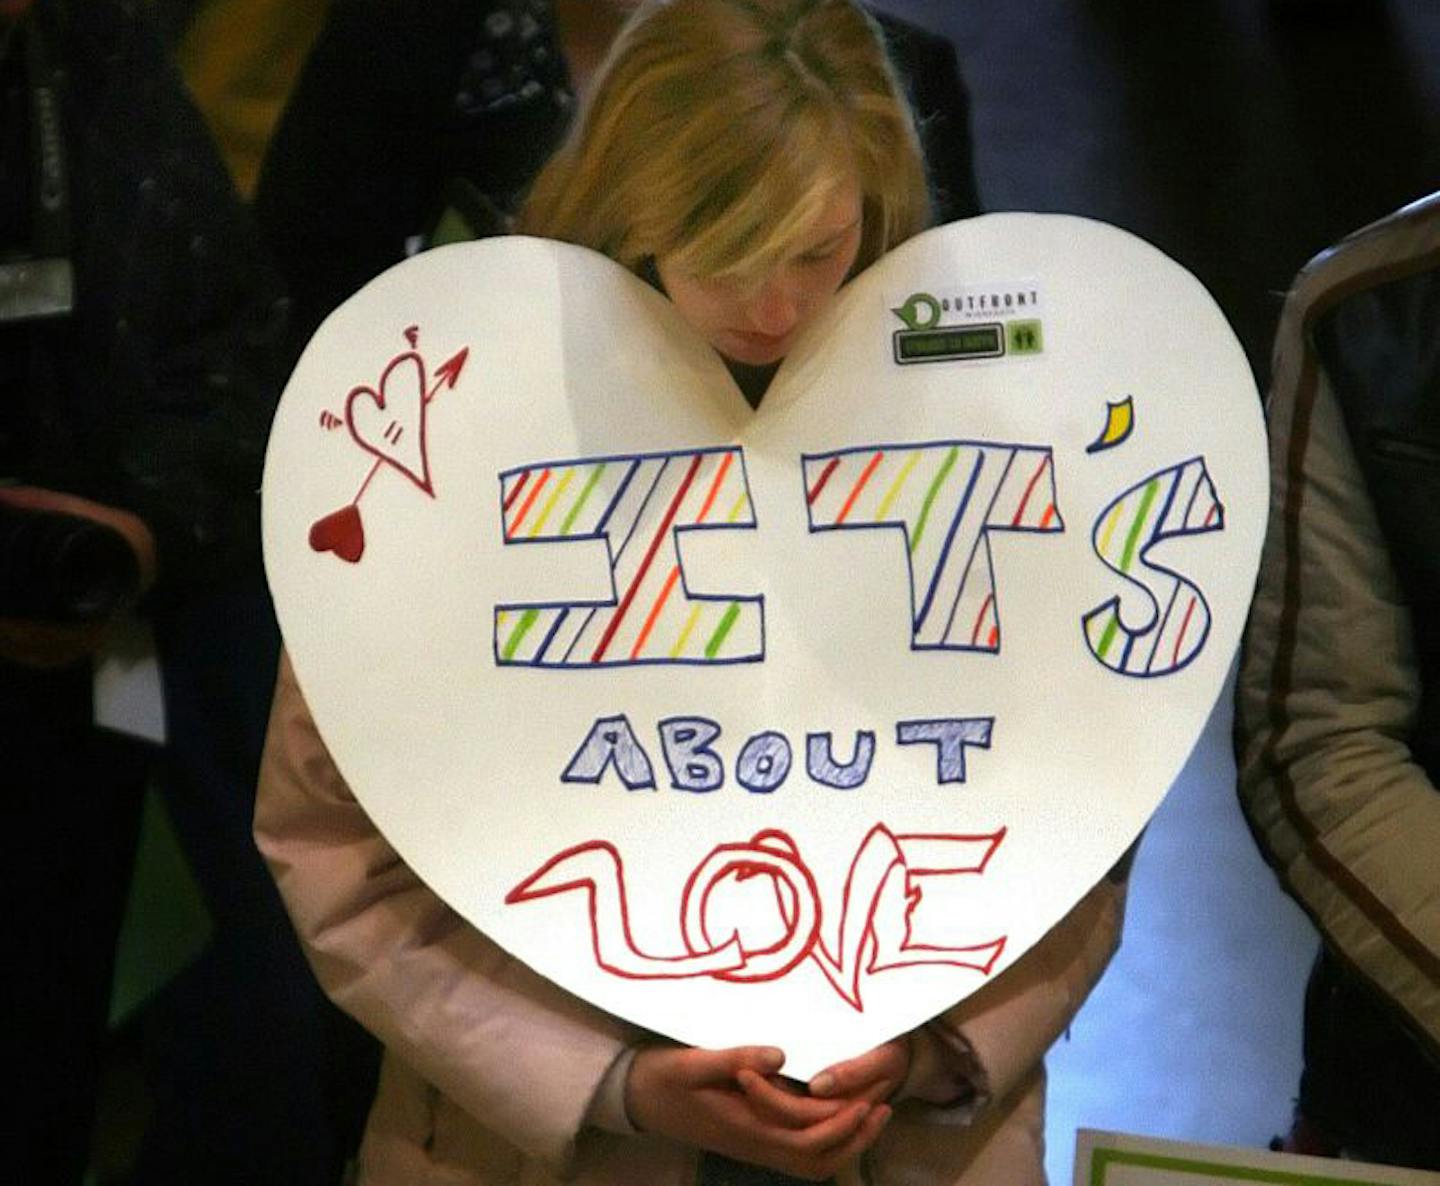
[(156, 393)]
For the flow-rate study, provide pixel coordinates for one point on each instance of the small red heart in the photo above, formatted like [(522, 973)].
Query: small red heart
[(340, 532)]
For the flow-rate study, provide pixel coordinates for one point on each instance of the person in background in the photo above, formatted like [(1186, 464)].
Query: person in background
[(493, 1074), (400, 105), (140, 335), (240, 59), (1338, 701)]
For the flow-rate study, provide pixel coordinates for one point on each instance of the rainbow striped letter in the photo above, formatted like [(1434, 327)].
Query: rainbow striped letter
[(1174, 502), (946, 496), (637, 504)]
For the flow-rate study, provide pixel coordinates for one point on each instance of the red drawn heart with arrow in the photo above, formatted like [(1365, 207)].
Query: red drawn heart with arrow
[(388, 421)]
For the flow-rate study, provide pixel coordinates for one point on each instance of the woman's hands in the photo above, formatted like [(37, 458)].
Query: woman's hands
[(732, 1102), (874, 1076)]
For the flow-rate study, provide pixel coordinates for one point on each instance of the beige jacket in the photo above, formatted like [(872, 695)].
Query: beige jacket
[(1329, 690), (491, 1071)]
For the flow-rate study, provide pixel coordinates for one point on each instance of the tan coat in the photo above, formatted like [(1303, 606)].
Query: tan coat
[(1329, 694), (491, 1069)]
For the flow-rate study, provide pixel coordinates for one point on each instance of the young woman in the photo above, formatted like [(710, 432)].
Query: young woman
[(747, 157)]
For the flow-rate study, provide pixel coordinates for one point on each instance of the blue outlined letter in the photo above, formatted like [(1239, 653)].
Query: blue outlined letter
[(764, 762), (950, 738), (820, 761), (945, 497), (1175, 617), (638, 505), (694, 766), (611, 741)]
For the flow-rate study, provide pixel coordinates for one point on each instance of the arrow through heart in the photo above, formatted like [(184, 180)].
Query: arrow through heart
[(388, 422)]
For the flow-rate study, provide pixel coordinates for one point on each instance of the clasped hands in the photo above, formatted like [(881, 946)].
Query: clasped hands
[(734, 1102)]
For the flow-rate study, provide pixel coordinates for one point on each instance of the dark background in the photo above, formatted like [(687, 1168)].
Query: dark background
[(1238, 136)]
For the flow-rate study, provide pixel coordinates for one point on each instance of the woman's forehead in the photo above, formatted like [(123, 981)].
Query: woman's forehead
[(840, 210), (833, 210), (776, 220)]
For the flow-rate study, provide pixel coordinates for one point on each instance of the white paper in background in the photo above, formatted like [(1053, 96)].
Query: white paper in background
[(1119, 1159), (788, 727), (128, 693)]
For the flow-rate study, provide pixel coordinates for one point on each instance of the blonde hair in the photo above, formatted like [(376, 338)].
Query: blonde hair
[(719, 129)]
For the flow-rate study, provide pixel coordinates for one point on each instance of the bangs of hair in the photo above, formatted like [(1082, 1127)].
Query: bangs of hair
[(750, 210), (720, 130)]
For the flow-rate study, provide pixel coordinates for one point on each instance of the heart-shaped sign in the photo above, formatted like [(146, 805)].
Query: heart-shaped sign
[(792, 726)]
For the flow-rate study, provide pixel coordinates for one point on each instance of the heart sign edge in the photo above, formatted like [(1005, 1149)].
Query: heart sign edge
[(609, 408)]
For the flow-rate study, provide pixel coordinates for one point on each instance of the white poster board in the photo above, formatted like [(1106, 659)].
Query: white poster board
[(792, 726), (1120, 1159)]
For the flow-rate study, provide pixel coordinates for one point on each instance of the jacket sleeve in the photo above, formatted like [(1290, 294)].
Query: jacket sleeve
[(518, 1053), (1327, 697), (994, 1040), (158, 391), (1010, 1024)]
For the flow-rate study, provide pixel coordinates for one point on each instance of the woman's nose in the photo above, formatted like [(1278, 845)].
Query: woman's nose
[(773, 310)]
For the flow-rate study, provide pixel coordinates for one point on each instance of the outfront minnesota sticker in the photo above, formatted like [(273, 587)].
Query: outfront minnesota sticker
[(967, 322)]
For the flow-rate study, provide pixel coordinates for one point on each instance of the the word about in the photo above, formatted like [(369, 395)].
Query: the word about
[(764, 761)]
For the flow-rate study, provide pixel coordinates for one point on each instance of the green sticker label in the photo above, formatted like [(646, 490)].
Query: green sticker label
[(970, 323), (1024, 337)]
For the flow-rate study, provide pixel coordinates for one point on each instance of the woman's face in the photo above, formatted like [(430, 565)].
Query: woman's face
[(758, 326)]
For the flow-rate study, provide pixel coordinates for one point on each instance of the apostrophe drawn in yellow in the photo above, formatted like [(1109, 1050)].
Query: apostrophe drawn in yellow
[(1119, 424)]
